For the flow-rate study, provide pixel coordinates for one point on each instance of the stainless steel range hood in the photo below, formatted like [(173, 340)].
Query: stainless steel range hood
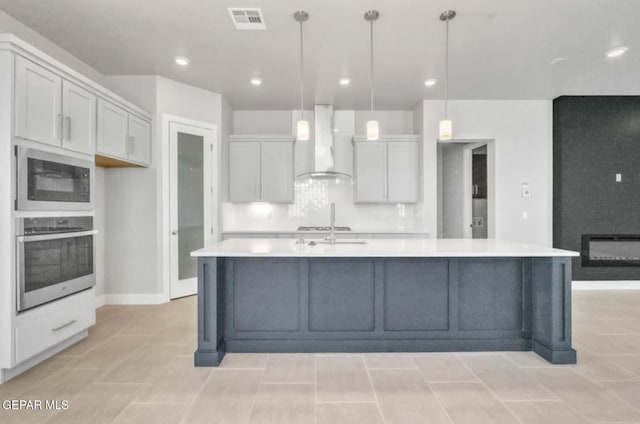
[(323, 148)]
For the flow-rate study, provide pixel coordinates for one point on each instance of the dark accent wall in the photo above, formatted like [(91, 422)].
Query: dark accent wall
[(595, 138)]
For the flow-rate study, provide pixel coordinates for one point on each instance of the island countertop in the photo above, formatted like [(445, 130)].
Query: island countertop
[(424, 248)]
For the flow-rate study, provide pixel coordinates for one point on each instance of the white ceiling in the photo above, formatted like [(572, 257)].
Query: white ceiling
[(500, 49)]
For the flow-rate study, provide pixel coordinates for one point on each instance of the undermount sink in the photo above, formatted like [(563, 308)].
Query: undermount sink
[(314, 242)]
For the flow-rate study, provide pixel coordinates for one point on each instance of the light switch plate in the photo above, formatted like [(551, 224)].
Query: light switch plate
[(526, 190), (618, 178)]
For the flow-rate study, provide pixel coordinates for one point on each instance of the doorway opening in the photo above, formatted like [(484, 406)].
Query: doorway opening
[(466, 187), (479, 192)]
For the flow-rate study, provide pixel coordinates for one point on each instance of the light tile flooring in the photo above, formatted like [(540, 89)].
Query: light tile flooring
[(136, 366)]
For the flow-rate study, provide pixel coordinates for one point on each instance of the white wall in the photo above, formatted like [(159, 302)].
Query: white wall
[(522, 131), (131, 264), (137, 207), (10, 25), (99, 223), (453, 218)]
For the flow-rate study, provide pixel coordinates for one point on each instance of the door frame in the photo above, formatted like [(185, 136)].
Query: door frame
[(166, 238), (471, 144)]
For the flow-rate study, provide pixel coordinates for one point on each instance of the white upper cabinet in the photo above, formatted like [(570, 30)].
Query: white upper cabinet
[(370, 172), (122, 135), (139, 140), (276, 171), (38, 105), (79, 123), (402, 172), (54, 107), (113, 130), (261, 169), (387, 171), (244, 171)]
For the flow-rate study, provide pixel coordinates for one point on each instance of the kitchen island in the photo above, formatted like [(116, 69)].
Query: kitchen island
[(278, 295)]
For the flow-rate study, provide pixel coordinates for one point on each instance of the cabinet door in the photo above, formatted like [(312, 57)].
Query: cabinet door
[(370, 172), (276, 170), (38, 103), (79, 112), (112, 130), (402, 172), (139, 140), (244, 171)]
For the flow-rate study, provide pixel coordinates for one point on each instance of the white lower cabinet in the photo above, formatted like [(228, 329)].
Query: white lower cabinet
[(261, 169), (387, 171), (46, 331)]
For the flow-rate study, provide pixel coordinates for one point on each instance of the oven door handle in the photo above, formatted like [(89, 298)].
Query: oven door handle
[(25, 239)]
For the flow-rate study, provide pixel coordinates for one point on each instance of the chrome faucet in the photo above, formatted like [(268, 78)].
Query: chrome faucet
[(331, 238)]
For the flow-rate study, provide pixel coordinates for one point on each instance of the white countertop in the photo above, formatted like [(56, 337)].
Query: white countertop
[(381, 248), (341, 233)]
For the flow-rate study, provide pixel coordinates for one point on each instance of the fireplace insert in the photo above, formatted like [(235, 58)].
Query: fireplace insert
[(620, 250)]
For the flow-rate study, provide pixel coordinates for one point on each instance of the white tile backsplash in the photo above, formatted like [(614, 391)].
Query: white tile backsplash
[(313, 198)]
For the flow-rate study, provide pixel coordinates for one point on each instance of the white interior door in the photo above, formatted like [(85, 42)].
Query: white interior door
[(193, 217)]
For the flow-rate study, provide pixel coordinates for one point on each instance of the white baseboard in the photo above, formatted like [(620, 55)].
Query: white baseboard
[(100, 301), (606, 285), (134, 299)]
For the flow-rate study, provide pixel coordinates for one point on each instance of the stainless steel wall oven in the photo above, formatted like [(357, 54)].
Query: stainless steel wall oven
[(50, 181), (55, 258)]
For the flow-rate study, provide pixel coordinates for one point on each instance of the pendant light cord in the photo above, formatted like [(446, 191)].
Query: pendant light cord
[(301, 74), (371, 45), (446, 71)]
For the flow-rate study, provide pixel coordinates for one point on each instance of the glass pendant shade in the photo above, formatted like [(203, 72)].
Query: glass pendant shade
[(373, 130), (445, 130), (302, 131)]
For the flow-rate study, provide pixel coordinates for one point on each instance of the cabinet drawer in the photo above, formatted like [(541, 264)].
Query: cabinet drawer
[(44, 332)]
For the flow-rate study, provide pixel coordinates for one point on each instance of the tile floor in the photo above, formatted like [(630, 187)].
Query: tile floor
[(136, 366)]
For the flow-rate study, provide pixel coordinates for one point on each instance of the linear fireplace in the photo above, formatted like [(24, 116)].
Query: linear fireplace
[(618, 250)]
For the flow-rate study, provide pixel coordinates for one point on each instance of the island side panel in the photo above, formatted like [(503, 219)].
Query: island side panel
[(211, 312), (376, 304), (551, 285)]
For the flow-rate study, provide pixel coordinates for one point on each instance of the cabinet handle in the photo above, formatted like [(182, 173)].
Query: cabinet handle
[(73, 321), (132, 141), (67, 121), (59, 126)]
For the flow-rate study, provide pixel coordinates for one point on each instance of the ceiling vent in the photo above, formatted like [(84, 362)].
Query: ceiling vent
[(247, 18)]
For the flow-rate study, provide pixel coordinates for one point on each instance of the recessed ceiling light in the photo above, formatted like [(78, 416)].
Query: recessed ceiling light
[(256, 81), (556, 60), (430, 82), (618, 51), (182, 61), (345, 81)]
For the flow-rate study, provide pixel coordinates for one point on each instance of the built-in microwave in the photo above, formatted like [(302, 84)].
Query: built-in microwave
[(55, 258), (51, 182)]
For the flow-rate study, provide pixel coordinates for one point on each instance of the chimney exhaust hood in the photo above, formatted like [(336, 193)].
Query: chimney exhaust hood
[(323, 146)]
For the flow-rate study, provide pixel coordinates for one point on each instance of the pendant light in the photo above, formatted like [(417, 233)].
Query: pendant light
[(302, 127), (445, 130), (373, 129)]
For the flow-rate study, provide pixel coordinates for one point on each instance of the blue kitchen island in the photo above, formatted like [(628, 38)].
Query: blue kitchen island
[(279, 295)]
